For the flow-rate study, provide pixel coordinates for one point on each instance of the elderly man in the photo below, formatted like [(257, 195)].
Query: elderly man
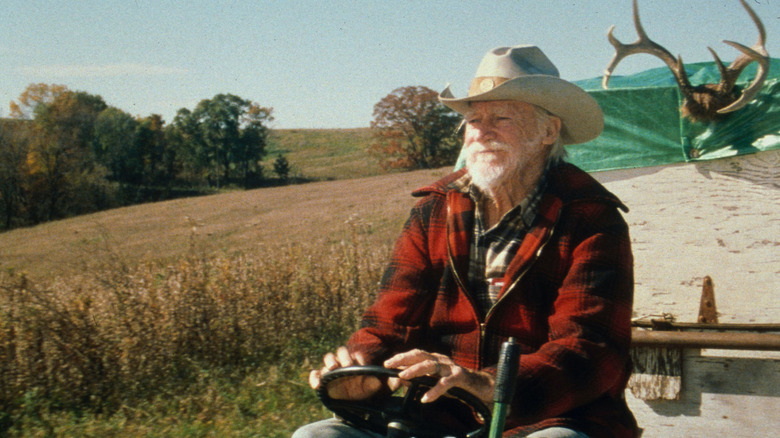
[(519, 244)]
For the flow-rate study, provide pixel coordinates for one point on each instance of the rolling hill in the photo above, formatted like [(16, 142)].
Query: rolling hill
[(242, 221), (323, 154)]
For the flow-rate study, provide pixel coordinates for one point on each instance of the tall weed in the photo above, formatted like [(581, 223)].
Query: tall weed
[(119, 336)]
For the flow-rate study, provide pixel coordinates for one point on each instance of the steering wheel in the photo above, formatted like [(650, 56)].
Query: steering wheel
[(457, 414)]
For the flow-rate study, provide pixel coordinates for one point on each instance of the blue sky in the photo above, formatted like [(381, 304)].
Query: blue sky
[(325, 64)]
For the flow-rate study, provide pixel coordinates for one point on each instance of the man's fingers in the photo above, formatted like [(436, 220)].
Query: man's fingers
[(315, 379), (434, 393), (428, 367), (330, 361), (444, 384), (349, 388), (361, 358), (344, 357), (414, 363), (409, 358), (394, 383)]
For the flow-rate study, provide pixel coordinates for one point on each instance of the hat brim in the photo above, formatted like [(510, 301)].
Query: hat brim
[(581, 116)]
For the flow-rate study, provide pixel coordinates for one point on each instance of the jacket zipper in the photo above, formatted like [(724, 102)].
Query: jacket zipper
[(483, 324), (465, 290), (461, 284)]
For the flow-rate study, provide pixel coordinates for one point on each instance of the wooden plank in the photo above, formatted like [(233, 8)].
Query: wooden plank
[(695, 339), (657, 373)]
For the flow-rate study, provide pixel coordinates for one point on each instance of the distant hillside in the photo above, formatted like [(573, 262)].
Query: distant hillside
[(323, 154), (258, 220)]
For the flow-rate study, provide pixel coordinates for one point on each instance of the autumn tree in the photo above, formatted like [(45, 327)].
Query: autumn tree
[(60, 161), (413, 130), (67, 152), (33, 96)]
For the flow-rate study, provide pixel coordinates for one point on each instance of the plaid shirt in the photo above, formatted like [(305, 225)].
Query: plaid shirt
[(567, 300), (492, 250)]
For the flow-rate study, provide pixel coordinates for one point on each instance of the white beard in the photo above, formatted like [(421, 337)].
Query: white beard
[(489, 171)]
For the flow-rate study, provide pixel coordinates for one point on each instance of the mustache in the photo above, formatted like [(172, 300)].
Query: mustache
[(490, 146)]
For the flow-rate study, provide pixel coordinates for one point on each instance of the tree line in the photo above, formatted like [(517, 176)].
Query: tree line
[(64, 153)]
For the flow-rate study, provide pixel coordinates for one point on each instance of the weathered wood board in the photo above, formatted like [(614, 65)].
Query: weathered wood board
[(724, 394), (719, 218)]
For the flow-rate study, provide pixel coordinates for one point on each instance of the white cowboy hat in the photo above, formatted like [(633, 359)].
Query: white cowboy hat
[(525, 74)]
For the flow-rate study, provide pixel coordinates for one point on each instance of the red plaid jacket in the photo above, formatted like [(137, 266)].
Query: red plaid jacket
[(567, 300)]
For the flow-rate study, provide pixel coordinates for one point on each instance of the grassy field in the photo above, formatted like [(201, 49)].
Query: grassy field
[(192, 317), (323, 154)]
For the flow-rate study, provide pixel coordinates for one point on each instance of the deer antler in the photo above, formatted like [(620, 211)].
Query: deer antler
[(644, 45), (709, 101), (756, 53)]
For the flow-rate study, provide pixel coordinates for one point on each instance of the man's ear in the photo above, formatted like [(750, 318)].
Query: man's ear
[(552, 130)]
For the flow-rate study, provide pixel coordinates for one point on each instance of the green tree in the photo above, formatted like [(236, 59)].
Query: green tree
[(413, 130), (157, 160), (183, 137), (114, 145), (218, 120), (136, 153), (282, 168), (225, 138), (251, 146), (13, 152)]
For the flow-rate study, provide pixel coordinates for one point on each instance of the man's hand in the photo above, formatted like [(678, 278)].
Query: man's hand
[(416, 363), (352, 388)]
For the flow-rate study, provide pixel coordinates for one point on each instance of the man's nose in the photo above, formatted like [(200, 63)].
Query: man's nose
[(486, 131)]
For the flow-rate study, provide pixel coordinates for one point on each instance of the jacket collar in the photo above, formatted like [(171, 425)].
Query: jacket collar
[(441, 186), (571, 184), (565, 181)]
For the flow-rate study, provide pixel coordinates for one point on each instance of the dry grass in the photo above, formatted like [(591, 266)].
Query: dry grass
[(194, 317), (91, 340)]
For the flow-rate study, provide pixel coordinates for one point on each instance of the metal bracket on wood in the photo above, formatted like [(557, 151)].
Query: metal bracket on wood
[(708, 312)]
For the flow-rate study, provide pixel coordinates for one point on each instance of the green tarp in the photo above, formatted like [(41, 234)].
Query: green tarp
[(643, 126)]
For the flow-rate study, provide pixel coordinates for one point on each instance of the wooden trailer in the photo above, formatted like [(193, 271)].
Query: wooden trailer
[(718, 219)]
